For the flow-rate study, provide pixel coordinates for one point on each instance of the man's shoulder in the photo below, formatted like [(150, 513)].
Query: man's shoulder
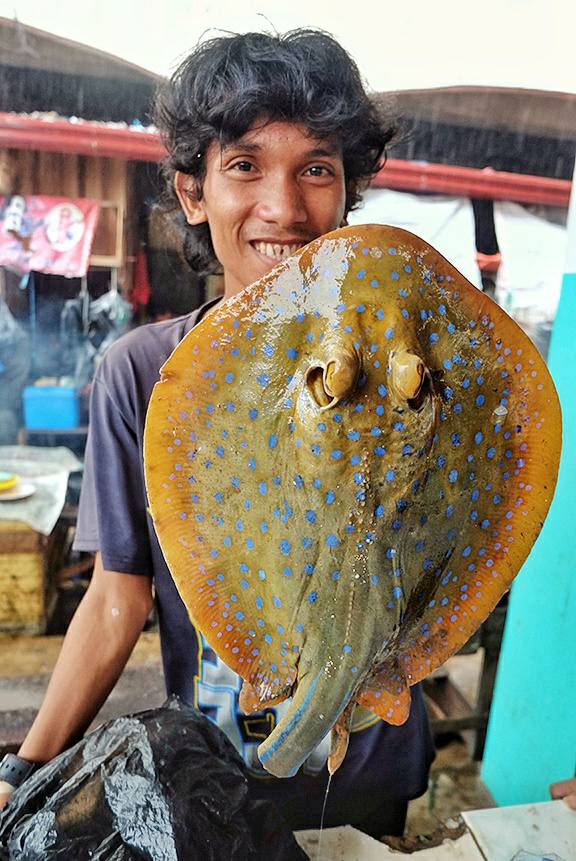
[(164, 335), (139, 354)]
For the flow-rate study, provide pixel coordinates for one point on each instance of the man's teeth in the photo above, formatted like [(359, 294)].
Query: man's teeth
[(274, 250)]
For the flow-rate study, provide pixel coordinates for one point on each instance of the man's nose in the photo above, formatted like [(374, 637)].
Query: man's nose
[(282, 201)]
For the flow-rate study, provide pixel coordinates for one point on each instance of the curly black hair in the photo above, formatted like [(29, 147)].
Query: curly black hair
[(227, 83)]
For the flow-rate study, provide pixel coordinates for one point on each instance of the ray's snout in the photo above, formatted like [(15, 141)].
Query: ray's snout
[(333, 381)]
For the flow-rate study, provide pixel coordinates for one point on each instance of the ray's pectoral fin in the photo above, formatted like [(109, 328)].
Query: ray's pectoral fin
[(387, 694)]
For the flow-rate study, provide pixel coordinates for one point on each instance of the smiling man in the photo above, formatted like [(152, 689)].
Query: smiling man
[(264, 196), (270, 140)]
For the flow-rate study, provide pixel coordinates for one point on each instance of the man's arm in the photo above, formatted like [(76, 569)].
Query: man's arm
[(98, 643)]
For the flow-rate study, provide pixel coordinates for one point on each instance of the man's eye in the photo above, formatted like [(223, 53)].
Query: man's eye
[(318, 170), (244, 166)]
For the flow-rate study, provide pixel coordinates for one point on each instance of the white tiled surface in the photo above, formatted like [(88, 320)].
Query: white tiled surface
[(539, 831), (348, 844)]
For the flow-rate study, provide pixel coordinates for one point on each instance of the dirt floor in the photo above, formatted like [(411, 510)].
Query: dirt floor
[(455, 783)]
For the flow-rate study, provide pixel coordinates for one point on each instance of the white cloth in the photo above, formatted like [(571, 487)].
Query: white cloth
[(48, 470)]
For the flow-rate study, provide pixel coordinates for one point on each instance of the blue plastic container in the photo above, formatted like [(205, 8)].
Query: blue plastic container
[(51, 407)]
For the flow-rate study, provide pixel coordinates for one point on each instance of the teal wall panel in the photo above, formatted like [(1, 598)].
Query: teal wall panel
[(532, 730)]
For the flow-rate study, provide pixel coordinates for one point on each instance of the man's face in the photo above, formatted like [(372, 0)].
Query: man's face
[(264, 196)]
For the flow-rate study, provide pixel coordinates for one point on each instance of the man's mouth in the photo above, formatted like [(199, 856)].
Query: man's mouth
[(277, 251)]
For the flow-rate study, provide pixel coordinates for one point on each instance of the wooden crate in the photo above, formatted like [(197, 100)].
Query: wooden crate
[(26, 584)]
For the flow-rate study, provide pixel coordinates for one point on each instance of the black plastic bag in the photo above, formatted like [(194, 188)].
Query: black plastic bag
[(160, 785)]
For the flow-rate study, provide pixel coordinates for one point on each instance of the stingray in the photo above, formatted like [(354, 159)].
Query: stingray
[(347, 463)]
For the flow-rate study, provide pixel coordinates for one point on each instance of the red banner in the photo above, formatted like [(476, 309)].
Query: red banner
[(47, 234)]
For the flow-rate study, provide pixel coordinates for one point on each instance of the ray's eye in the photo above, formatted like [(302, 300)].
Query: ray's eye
[(315, 383), (411, 378), (415, 403), (334, 381)]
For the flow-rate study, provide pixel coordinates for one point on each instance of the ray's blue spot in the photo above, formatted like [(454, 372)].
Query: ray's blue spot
[(330, 497), (312, 597), (332, 540)]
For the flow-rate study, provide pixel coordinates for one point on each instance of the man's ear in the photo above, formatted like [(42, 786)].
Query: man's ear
[(186, 188)]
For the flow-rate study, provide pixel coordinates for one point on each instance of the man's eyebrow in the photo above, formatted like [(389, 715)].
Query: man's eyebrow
[(325, 151), (241, 144)]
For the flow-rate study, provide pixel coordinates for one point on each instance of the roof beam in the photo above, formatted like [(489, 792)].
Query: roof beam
[(108, 140)]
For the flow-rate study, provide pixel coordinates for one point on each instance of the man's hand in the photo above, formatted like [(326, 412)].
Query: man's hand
[(4, 797), (566, 790)]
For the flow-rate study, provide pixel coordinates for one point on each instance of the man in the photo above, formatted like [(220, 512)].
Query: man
[(270, 140)]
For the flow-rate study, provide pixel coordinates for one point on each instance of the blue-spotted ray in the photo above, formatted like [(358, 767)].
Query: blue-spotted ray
[(347, 463)]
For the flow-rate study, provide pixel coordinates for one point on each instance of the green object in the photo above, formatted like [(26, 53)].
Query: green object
[(531, 739)]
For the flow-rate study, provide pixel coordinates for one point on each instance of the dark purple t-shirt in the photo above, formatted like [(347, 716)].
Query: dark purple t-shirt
[(383, 761)]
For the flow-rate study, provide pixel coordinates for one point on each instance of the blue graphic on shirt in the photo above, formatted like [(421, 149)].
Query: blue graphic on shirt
[(217, 691)]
